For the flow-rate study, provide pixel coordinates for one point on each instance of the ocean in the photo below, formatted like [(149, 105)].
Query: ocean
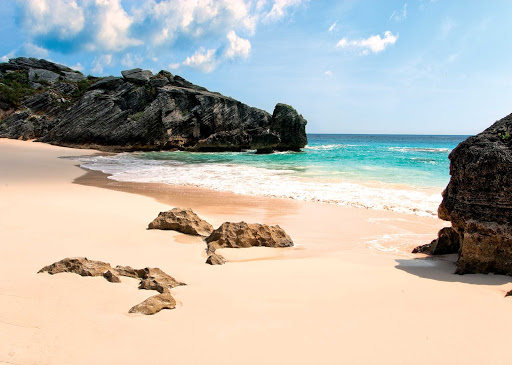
[(402, 173)]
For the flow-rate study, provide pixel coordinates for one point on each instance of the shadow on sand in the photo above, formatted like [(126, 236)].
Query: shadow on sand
[(443, 268)]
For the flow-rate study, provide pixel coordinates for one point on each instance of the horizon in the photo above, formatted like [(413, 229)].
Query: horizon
[(351, 67)]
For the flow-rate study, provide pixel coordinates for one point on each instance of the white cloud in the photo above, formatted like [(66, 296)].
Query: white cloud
[(238, 47), (8, 56), (328, 73), (280, 7), (399, 15), (174, 66), (131, 61), (374, 43), (77, 67), (65, 18), (203, 60), (100, 63), (32, 50), (331, 28), (447, 26)]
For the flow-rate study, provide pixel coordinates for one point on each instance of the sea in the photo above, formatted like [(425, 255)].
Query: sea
[(401, 173)]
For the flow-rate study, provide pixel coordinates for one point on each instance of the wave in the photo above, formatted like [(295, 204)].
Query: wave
[(257, 181), (419, 149), (328, 147)]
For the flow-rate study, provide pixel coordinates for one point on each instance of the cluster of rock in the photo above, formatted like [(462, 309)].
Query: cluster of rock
[(478, 202), (228, 235), (150, 279), (140, 111)]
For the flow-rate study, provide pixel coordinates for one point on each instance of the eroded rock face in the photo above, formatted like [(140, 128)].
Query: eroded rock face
[(237, 235), (182, 220), (478, 200), (154, 304), (150, 279), (141, 111), (448, 242)]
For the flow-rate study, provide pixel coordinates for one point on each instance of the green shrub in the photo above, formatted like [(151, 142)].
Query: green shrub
[(14, 87)]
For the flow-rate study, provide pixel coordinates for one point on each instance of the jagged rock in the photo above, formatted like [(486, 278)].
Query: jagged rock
[(150, 279), (110, 276), (155, 304), (182, 220), (448, 242), (237, 235), (216, 259), (38, 75), (145, 112), (509, 293), (137, 75), (478, 200), (78, 265)]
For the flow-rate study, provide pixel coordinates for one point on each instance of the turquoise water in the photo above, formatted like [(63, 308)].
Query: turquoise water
[(404, 173)]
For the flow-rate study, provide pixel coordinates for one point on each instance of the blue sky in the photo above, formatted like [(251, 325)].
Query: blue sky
[(417, 66)]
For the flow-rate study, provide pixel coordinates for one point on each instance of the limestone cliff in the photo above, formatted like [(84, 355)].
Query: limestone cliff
[(139, 111)]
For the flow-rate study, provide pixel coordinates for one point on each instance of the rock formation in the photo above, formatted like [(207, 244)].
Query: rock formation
[(216, 259), (448, 242), (182, 220), (140, 111), (237, 235), (150, 279), (478, 200)]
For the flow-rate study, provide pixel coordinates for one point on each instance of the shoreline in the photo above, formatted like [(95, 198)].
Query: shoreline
[(326, 300)]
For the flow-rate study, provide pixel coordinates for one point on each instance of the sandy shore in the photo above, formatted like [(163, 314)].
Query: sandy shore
[(347, 293)]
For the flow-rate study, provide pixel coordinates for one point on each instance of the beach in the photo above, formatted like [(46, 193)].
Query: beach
[(348, 292)]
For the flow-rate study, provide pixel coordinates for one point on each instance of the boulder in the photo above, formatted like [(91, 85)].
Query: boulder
[(78, 265), (137, 75), (478, 200), (182, 220), (39, 75), (239, 235), (156, 279), (111, 277), (290, 126), (448, 242), (216, 259), (154, 304), (73, 76)]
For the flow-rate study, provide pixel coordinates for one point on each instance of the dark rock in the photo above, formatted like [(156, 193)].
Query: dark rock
[(137, 75), (509, 293), (161, 112), (155, 304), (426, 249), (78, 265), (111, 277), (150, 279), (478, 200), (216, 259), (182, 220), (237, 235), (448, 242), (40, 75)]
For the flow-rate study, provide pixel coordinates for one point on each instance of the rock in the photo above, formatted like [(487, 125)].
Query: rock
[(290, 126), (111, 277), (40, 75), (509, 293), (78, 265), (155, 304), (150, 279), (216, 259), (237, 235), (182, 220), (137, 75), (448, 242), (478, 200), (145, 112)]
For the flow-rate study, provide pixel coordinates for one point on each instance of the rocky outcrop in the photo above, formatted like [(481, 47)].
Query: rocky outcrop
[(238, 235), (478, 200), (139, 111), (448, 242), (150, 279), (182, 220)]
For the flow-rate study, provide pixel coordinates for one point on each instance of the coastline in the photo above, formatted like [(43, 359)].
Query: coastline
[(331, 297)]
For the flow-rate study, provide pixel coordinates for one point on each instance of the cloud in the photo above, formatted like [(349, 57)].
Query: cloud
[(32, 50), (174, 66), (280, 7), (399, 15), (328, 73), (374, 43), (8, 56), (331, 28), (131, 61), (100, 63), (238, 47), (77, 67), (203, 60), (447, 26)]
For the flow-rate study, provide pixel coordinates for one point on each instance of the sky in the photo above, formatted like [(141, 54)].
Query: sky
[(353, 66)]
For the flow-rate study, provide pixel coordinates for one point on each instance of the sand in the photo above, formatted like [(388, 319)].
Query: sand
[(347, 293)]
